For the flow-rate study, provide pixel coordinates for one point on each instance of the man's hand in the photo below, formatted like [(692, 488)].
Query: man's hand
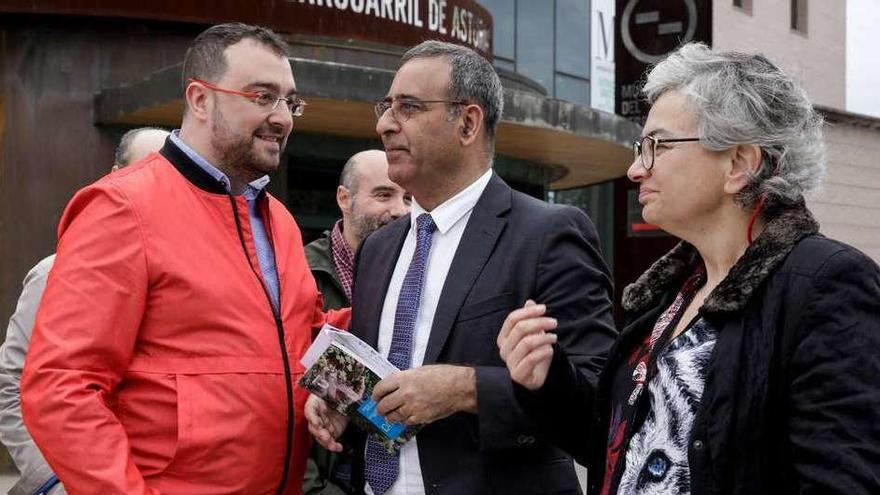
[(425, 394), (526, 344), (325, 424)]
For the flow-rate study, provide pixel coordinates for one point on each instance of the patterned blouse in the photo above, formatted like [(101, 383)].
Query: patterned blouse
[(657, 456), (650, 456)]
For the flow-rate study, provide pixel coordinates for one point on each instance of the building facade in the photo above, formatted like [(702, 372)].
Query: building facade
[(76, 76), (808, 39)]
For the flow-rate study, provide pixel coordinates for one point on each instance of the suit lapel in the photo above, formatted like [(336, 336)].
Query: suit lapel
[(378, 269), (477, 243)]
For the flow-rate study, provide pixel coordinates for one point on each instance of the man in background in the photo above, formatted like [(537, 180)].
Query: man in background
[(35, 472), (138, 143), (368, 200)]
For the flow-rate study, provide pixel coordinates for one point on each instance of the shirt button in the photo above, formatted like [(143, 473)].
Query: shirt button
[(525, 440), (698, 445)]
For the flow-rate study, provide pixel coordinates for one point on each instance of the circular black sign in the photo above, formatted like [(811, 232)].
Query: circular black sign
[(650, 29)]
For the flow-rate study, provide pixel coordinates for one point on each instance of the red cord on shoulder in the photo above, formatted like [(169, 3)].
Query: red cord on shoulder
[(754, 218), (760, 205)]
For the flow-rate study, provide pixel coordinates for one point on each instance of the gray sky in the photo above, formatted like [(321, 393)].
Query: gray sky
[(863, 57)]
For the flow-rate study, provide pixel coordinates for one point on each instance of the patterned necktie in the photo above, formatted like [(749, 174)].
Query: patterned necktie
[(381, 468)]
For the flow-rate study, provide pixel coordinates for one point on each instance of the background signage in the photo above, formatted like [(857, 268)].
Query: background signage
[(602, 57), (649, 29), (397, 22)]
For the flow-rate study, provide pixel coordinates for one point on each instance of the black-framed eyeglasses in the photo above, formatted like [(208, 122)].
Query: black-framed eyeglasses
[(645, 149), (402, 109)]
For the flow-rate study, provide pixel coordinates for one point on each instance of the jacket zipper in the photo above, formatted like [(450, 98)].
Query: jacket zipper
[(279, 327)]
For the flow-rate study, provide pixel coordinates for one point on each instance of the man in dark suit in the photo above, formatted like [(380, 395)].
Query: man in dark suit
[(432, 290)]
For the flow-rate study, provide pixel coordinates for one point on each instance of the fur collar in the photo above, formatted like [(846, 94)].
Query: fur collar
[(785, 228)]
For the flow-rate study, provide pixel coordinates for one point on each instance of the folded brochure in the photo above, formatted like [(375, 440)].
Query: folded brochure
[(343, 369)]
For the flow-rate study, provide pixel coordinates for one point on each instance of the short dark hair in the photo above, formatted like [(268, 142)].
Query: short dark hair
[(122, 157), (205, 58), (471, 78)]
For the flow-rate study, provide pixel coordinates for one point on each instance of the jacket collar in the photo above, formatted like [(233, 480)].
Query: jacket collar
[(785, 228), (189, 169), (318, 254), (488, 220)]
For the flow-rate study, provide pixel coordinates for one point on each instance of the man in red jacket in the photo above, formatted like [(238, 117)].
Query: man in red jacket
[(166, 349), (36, 476)]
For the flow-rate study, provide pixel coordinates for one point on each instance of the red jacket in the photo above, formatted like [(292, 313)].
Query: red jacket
[(156, 364)]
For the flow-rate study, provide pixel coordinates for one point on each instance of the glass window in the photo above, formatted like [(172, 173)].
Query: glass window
[(573, 89), (503, 34), (534, 41), (799, 16), (745, 5), (503, 63), (573, 37)]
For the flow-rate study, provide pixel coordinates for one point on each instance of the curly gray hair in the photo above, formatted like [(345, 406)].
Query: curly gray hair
[(741, 98)]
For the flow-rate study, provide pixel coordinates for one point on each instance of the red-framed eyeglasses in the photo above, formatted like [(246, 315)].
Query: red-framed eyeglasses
[(263, 99)]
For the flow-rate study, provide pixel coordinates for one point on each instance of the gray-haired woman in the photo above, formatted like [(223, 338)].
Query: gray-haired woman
[(751, 358)]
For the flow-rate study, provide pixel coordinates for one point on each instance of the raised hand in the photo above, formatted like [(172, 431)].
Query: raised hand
[(526, 344)]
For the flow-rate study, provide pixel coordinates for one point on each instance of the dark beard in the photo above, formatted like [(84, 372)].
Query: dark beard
[(364, 226), (238, 156)]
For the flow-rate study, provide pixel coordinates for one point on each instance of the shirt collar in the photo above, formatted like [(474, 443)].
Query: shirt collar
[(448, 213), (253, 188), (340, 245), (343, 259)]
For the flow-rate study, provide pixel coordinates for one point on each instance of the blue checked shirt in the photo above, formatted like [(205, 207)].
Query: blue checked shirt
[(265, 253)]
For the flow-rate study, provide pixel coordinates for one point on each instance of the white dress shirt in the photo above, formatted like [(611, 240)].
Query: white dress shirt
[(451, 217)]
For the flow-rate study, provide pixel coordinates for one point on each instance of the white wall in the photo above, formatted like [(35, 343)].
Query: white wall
[(848, 205)]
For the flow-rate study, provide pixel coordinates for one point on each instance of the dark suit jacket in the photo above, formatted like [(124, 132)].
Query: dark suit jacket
[(514, 248)]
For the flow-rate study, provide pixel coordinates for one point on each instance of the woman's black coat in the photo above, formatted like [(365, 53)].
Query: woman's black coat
[(792, 399)]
